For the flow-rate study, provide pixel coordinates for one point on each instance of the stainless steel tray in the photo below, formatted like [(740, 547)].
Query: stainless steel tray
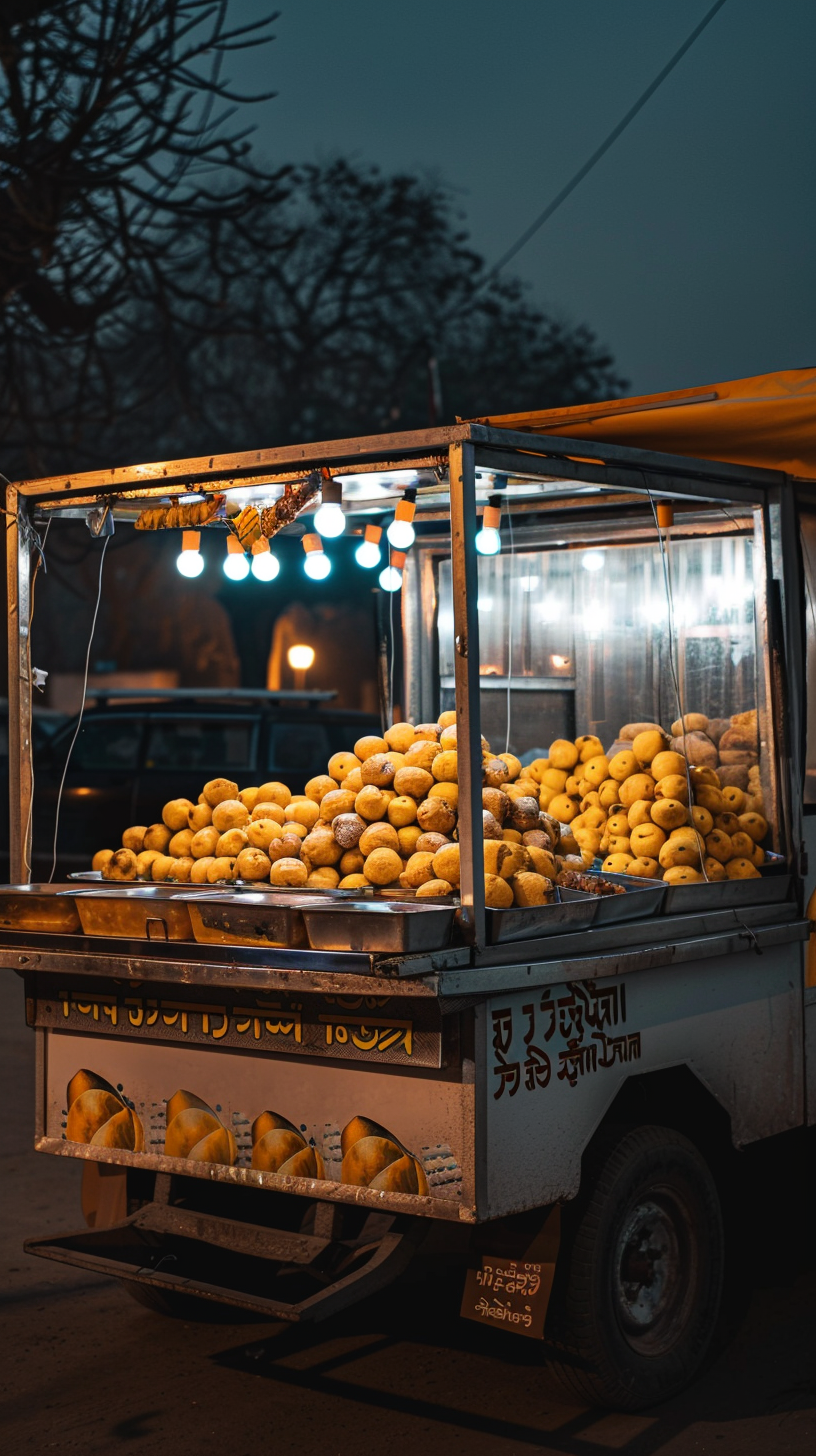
[(259, 917), (39, 907), (642, 899), (523, 922), (379, 926), (134, 911), (726, 894)]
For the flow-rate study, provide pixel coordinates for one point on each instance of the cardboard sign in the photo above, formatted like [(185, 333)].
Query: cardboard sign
[(510, 1295)]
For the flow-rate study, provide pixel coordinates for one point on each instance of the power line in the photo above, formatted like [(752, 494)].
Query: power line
[(602, 149)]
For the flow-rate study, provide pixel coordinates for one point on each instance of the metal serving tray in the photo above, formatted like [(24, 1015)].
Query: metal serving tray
[(39, 907), (527, 922), (379, 926), (642, 898), (134, 912), (769, 889), (245, 917)]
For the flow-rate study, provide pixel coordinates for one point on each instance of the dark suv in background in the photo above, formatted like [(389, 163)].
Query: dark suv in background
[(136, 750)]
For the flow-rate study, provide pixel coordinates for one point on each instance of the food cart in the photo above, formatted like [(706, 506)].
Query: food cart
[(277, 1091)]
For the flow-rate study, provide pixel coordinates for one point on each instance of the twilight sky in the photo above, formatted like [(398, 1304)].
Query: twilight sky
[(689, 249)]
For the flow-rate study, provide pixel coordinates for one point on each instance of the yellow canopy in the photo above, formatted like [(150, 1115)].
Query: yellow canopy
[(767, 421)]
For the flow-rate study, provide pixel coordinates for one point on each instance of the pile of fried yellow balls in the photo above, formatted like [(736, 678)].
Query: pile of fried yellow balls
[(386, 815)]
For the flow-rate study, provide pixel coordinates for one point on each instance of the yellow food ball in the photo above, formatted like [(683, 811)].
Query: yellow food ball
[(174, 814), (158, 837), (644, 868), (367, 746), (402, 811), (302, 811), (203, 842), (563, 808), (324, 878), (290, 872), (701, 819), (199, 817), (248, 797), (446, 719), (445, 766), (378, 836), (230, 844), (217, 790), (351, 863), (667, 762), (341, 765), (274, 793), (264, 809), (200, 870), (647, 745), (230, 814), (683, 875), (754, 825), (622, 765), (563, 754), (382, 866), (589, 747), (354, 882), (408, 836), (101, 858), (498, 892), (400, 736), (669, 813), (260, 833), (617, 864)]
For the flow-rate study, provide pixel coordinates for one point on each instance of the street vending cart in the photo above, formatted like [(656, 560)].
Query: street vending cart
[(578, 982)]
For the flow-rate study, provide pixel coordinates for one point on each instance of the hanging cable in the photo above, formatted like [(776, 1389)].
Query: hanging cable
[(81, 710), (40, 562)]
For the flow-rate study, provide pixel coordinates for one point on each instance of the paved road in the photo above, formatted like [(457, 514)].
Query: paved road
[(84, 1369)]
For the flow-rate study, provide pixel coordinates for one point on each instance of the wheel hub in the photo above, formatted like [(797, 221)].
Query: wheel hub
[(650, 1284)]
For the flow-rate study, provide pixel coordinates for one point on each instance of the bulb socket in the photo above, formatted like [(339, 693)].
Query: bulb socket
[(491, 517), (665, 515), (331, 491), (312, 542), (259, 546), (398, 559), (234, 547), (190, 540), (373, 534)]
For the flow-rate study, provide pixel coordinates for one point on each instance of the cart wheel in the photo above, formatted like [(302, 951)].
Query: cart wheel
[(640, 1272)]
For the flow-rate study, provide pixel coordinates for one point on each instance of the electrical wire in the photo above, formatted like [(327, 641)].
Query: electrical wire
[(393, 656), (600, 151), (81, 711), (40, 562)]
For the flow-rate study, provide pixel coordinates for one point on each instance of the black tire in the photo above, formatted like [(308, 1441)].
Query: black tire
[(640, 1272)]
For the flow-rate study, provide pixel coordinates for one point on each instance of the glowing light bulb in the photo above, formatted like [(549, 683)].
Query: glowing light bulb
[(190, 563), (401, 534), (300, 657), (368, 554), (236, 567), (317, 565), (488, 541), (592, 560), (390, 579), (329, 520), (265, 566)]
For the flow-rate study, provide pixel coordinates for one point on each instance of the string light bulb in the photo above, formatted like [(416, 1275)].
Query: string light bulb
[(265, 564), (190, 562), (236, 566), (391, 575), (401, 533), (329, 519), (593, 560), (317, 564), (488, 540), (368, 552)]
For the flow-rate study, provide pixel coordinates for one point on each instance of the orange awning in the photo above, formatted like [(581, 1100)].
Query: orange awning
[(767, 421)]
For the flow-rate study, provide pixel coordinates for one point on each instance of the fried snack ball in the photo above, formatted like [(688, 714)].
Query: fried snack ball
[(433, 889), (413, 780), (353, 781), (741, 869), (646, 746), (266, 809), (317, 787), (673, 786), (447, 791), (554, 778), (538, 837), (418, 871), (447, 718), (702, 819), (161, 864), (261, 833), (421, 754), (340, 765), (274, 793), (203, 842), (199, 817), (683, 875), (530, 888), (252, 864), (640, 812), (378, 836), (681, 851), (646, 841), (729, 823), (230, 814), (180, 870), (372, 803), (174, 813), (437, 815), (231, 843), (667, 762), (709, 797), (498, 892), (447, 737), (542, 861), (336, 803), (699, 774), (368, 745), (617, 864), (514, 765), (400, 736), (133, 838), (347, 829), (408, 837), (618, 843), (742, 845), (248, 797), (102, 858), (637, 787), (618, 823), (511, 836), (609, 793), (354, 882), (495, 773), (523, 814), (446, 863), (180, 843), (351, 863), (497, 802), (491, 828), (158, 837), (219, 789), (287, 847), (753, 824), (644, 868), (505, 859), (719, 846), (402, 811), (669, 813), (321, 848), (291, 872), (714, 869), (378, 769), (757, 855), (324, 878), (432, 840), (622, 765), (120, 866), (588, 747), (302, 811), (382, 866), (445, 766), (734, 799), (596, 770), (563, 808), (199, 871), (144, 864), (222, 868), (573, 787), (563, 754), (691, 722)]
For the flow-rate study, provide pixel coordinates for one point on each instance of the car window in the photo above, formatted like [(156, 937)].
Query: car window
[(103, 743), (298, 748), (216, 745)]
